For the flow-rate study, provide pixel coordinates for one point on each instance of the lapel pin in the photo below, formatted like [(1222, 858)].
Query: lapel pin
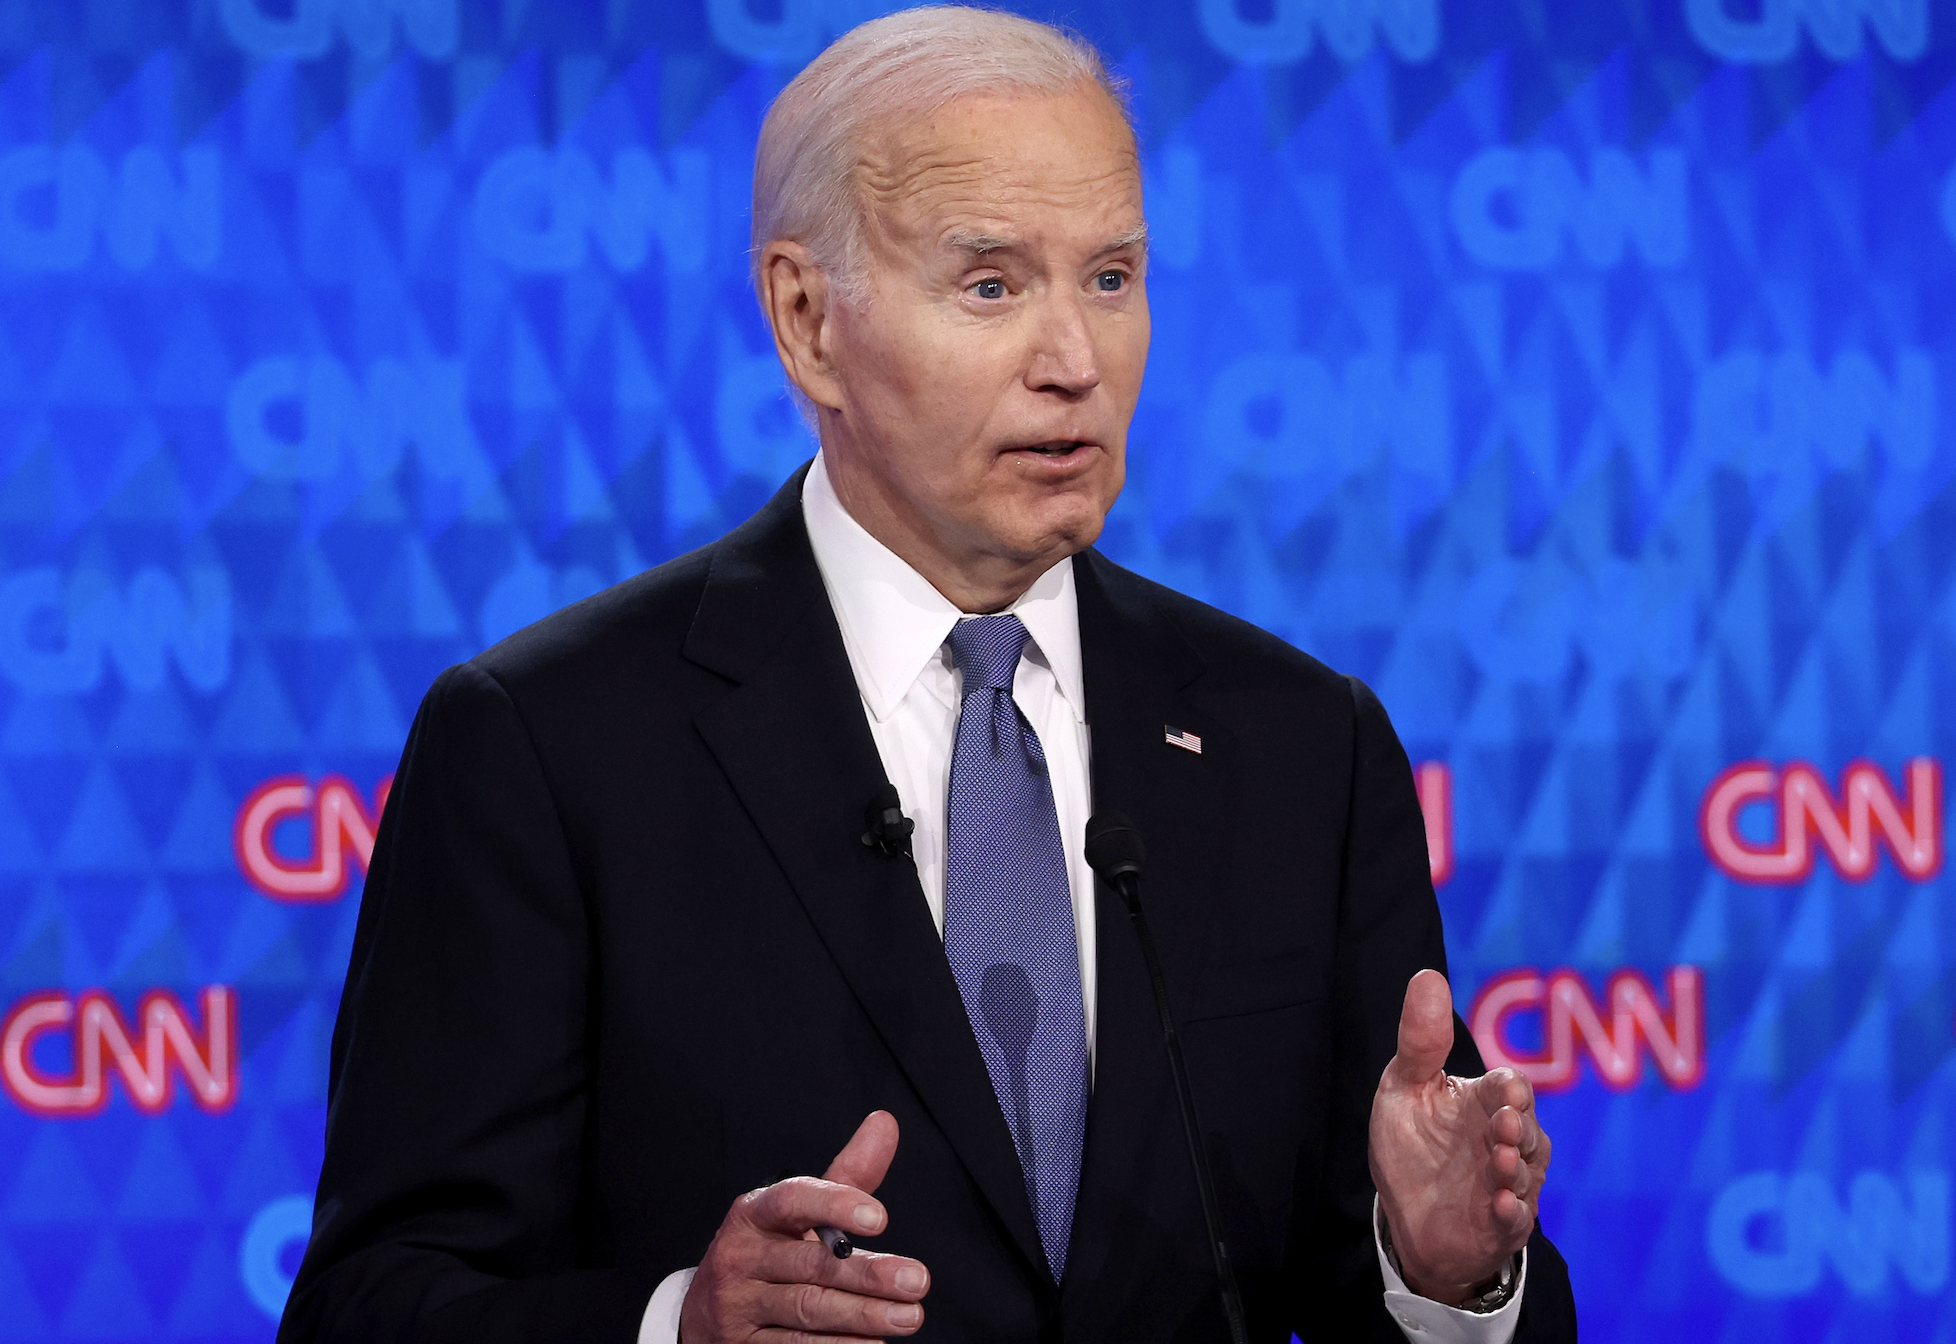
[(1186, 741)]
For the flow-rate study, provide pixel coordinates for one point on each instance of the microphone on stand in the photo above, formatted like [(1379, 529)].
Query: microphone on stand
[(1114, 851)]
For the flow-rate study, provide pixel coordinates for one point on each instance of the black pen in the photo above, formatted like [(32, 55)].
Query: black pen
[(835, 1239)]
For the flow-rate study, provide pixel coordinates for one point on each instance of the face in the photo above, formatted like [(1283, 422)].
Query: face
[(975, 401)]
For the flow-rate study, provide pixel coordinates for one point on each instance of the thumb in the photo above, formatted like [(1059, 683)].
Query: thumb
[(865, 1159), (1425, 1030)]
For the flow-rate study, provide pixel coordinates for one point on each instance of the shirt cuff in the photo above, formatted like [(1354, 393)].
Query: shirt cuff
[(1424, 1321), (660, 1324)]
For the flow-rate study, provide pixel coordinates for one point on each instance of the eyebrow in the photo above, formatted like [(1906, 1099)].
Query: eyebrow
[(967, 241), (982, 243)]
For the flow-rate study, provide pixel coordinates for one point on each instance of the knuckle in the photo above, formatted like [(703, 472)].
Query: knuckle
[(814, 1262), (783, 1192), (805, 1302), (873, 1276)]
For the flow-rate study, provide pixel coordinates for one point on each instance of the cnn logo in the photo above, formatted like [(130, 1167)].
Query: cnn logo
[(340, 825), (162, 1046), (1809, 818), (1617, 1032)]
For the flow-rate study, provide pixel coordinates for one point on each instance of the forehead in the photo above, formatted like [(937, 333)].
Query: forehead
[(1030, 161)]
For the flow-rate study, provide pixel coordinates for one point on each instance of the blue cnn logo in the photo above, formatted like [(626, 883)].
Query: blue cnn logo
[(1516, 209), (305, 30), (1775, 1235), (59, 634), (269, 1252), (54, 203), (1766, 31), (1410, 29), (539, 210), (290, 418), (795, 29), (1784, 416)]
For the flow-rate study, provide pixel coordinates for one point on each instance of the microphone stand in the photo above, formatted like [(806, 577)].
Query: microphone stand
[(1122, 871)]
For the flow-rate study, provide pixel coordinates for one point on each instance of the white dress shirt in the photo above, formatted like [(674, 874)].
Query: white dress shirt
[(895, 627)]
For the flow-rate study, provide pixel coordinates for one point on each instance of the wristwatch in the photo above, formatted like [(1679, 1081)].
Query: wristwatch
[(1495, 1293), (1489, 1296)]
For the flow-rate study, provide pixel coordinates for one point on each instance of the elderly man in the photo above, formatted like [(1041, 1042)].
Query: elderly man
[(643, 932)]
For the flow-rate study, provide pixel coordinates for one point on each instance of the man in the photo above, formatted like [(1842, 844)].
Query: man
[(634, 940)]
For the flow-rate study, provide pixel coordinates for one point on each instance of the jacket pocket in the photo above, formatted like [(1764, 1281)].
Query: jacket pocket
[(1240, 987)]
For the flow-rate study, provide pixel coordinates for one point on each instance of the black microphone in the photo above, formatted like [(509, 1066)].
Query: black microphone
[(889, 830), (1114, 851)]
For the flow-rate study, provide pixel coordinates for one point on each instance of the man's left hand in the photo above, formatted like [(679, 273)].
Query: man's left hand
[(1458, 1162)]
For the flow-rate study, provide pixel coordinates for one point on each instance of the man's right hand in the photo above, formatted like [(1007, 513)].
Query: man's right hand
[(768, 1279)]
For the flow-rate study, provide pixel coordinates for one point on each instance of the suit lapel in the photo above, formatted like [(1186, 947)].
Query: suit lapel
[(1139, 676), (793, 741)]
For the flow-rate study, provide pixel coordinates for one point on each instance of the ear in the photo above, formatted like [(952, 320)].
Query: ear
[(797, 297)]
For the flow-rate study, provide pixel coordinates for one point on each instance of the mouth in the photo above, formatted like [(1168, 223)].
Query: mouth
[(1054, 450)]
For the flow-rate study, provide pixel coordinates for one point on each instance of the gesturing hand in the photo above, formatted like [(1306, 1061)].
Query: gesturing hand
[(766, 1278), (1458, 1162)]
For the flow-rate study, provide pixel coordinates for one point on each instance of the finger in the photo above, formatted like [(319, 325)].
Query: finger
[(894, 1278), (1503, 1087), (865, 1160), (1504, 1126), (830, 1311), (1533, 1141), (1506, 1171), (1425, 1030), (1522, 1134), (791, 1207), (1514, 1218)]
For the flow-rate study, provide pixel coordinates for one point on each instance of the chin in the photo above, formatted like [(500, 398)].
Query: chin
[(1060, 528)]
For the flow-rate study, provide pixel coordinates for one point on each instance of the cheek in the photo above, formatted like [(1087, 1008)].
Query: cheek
[(1130, 354), (924, 372)]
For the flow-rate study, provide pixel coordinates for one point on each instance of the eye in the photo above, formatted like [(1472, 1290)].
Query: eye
[(993, 288), (1110, 282)]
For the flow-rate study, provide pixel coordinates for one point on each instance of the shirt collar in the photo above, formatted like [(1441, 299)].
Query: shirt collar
[(893, 622)]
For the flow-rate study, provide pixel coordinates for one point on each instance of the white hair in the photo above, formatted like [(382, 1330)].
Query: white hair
[(905, 64)]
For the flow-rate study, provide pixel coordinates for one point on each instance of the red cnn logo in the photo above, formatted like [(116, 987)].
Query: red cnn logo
[(1910, 827), (342, 829), (1616, 1034), (1434, 780), (147, 1061)]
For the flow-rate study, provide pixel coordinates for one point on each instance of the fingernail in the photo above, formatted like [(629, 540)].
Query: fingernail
[(866, 1218), (911, 1279), (905, 1317)]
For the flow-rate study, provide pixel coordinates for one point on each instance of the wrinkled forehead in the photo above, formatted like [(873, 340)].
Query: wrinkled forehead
[(1065, 158)]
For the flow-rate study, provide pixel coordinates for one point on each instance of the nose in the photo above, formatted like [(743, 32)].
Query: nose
[(1064, 357)]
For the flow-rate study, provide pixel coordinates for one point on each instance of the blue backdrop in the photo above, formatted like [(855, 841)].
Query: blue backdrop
[(1574, 372)]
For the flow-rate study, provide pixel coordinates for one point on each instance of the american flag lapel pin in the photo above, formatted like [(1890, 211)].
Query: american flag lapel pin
[(1177, 738)]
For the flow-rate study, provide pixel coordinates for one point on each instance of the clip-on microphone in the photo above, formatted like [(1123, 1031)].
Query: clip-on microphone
[(889, 830), (1114, 851)]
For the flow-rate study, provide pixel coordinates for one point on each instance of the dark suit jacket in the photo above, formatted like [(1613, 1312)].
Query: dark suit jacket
[(622, 956)]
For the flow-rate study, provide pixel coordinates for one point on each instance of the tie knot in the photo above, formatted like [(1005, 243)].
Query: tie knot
[(987, 651)]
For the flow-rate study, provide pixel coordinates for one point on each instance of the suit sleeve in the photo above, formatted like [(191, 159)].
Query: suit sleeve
[(447, 1205), (1388, 931)]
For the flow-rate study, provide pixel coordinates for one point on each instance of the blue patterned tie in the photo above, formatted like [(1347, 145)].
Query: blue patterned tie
[(1008, 926)]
